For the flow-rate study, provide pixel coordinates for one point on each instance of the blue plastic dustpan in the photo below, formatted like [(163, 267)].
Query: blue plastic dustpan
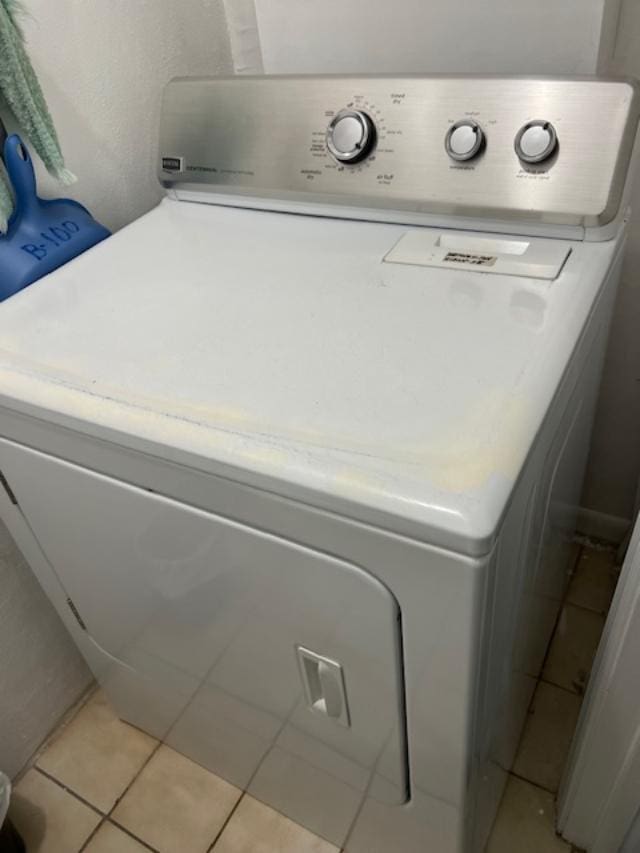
[(42, 235)]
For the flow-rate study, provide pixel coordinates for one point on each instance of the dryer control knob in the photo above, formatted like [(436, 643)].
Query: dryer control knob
[(351, 136), (464, 140), (536, 141)]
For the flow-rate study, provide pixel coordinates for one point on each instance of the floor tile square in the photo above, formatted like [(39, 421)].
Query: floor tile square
[(110, 839), (525, 822), (176, 805), (594, 580), (96, 754), (547, 736), (573, 648), (255, 828), (50, 819)]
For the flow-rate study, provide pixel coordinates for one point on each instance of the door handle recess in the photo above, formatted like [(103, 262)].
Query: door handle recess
[(323, 681)]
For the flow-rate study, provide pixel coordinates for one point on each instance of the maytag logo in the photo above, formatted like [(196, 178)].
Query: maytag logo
[(173, 164)]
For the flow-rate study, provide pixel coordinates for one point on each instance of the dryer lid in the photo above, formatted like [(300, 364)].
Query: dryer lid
[(282, 351)]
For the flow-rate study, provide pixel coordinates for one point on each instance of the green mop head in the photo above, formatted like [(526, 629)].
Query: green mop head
[(22, 94)]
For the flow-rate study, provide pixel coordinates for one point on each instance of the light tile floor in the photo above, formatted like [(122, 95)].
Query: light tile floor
[(526, 818), (102, 786)]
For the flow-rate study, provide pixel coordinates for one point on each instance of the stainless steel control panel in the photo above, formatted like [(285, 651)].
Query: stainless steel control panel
[(540, 150)]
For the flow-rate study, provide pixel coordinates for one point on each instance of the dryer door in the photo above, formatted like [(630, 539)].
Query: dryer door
[(274, 665)]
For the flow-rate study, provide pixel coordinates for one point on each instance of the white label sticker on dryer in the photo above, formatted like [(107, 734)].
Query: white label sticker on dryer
[(532, 257), (466, 258)]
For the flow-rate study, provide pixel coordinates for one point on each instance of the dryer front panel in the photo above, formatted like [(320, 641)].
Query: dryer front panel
[(274, 665)]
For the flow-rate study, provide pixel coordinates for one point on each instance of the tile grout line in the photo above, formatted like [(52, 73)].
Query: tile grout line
[(106, 820), (531, 782), (135, 777), (566, 602), (80, 799), (109, 815), (574, 571), (541, 680), (128, 832), (226, 821), (578, 557), (92, 834), (60, 726), (553, 794), (562, 687), (598, 612), (563, 604), (244, 792), (69, 791), (105, 817)]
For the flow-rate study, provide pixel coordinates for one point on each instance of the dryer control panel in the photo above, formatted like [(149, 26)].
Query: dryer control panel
[(483, 147)]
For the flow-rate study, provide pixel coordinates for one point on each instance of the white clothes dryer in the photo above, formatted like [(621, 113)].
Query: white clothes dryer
[(297, 455)]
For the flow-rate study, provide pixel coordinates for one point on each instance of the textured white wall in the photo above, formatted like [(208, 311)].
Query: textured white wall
[(102, 64), (614, 467), (351, 36)]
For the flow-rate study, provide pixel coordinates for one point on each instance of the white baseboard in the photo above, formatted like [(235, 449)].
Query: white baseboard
[(600, 525)]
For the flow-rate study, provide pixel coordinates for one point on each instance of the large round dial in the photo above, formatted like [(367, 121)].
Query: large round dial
[(351, 136), (536, 141), (464, 140)]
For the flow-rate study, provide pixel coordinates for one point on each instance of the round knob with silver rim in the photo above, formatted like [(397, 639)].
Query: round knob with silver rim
[(464, 140), (536, 141), (351, 136)]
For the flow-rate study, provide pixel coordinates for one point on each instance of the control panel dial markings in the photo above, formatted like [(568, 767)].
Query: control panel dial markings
[(465, 139), (351, 136), (536, 141)]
